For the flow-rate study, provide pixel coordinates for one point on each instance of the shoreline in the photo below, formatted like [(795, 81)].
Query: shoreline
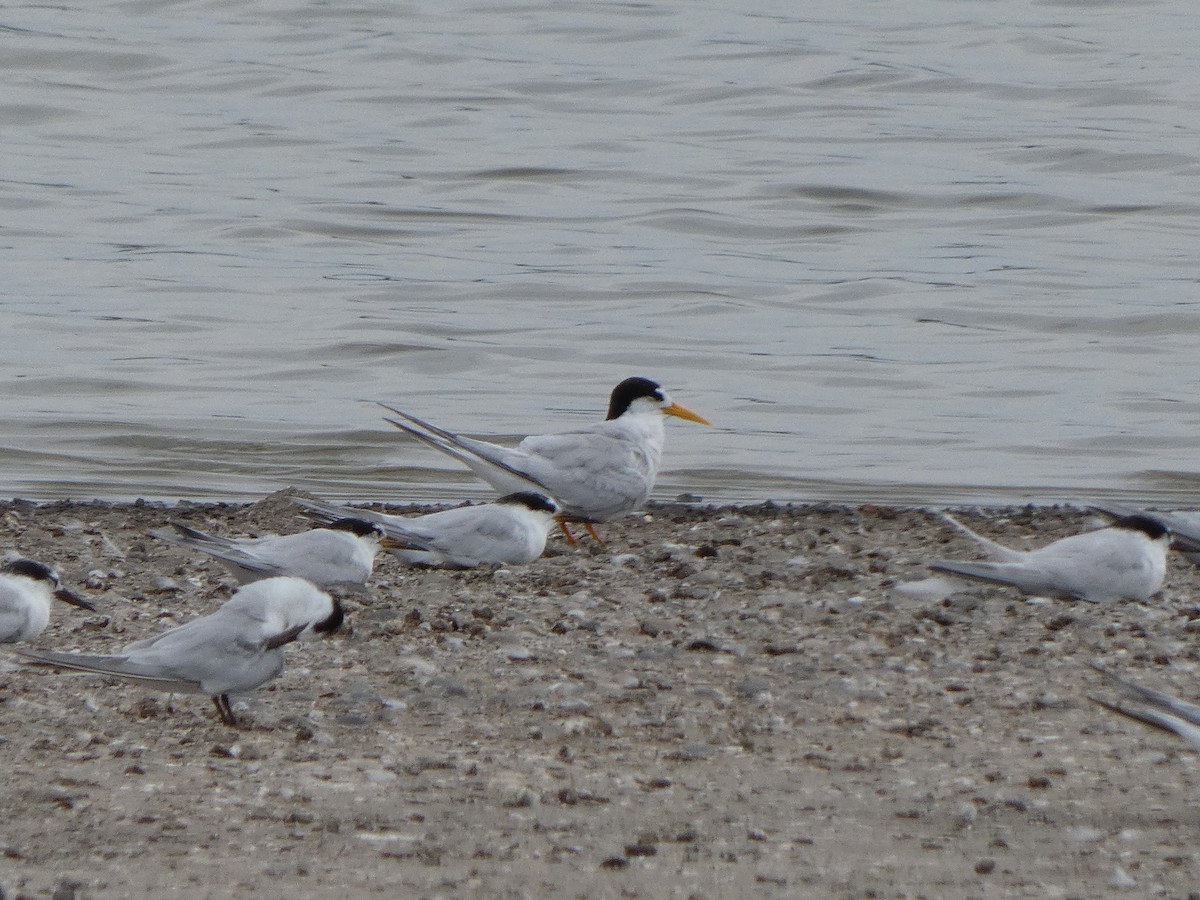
[(731, 700)]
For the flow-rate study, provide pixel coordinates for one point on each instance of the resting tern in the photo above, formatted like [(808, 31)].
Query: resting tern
[(1184, 525), (1154, 709), (511, 530), (237, 648), (339, 555), (1126, 560), (26, 589), (595, 473)]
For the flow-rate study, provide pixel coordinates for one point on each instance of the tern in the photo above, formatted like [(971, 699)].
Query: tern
[(595, 473), (26, 589), (237, 648), (1160, 711), (509, 531), (1127, 560), (339, 555)]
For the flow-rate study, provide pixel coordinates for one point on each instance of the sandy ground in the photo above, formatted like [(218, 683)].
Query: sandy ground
[(718, 703)]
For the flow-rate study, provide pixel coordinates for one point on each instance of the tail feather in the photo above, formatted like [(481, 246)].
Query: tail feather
[(1189, 712), (998, 552), (984, 571), (119, 666), (469, 454), (192, 537), (393, 531)]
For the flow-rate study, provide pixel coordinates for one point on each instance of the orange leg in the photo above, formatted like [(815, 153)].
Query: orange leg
[(567, 533), (592, 531)]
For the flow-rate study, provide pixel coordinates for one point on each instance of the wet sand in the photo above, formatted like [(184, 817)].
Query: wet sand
[(729, 702)]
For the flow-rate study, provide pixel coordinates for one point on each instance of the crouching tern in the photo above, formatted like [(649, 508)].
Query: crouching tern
[(26, 589), (237, 648), (1126, 560), (1151, 708), (595, 473), (340, 555), (509, 531)]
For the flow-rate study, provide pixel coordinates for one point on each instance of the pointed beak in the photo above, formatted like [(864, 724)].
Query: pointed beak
[(682, 412), (388, 543), (74, 599)]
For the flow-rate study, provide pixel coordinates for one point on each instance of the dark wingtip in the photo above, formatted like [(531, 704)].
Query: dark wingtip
[(335, 620)]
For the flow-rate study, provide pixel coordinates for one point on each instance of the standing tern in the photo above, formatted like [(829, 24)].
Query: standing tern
[(1160, 711), (1126, 560), (339, 555), (234, 649), (26, 589), (509, 531), (595, 473)]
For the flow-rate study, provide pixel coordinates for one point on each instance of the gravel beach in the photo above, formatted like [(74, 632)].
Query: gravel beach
[(718, 702)]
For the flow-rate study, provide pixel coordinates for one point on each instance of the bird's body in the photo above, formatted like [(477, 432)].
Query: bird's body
[(1152, 708), (341, 555), (237, 648), (596, 473), (26, 589), (509, 531), (1127, 560)]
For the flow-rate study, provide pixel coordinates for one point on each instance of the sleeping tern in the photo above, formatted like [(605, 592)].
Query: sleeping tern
[(237, 648), (1160, 711), (26, 589), (339, 555), (595, 473), (511, 531), (1125, 560)]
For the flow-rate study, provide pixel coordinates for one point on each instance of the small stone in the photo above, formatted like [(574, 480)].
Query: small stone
[(1121, 879), (985, 866)]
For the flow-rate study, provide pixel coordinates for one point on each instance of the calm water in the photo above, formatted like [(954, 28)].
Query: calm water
[(922, 251)]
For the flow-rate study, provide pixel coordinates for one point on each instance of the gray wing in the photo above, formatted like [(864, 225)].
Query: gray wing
[(504, 469), (221, 653), (397, 528), (474, 535), (1026, 578), (227, 550), (1155, 709), (119, 666)]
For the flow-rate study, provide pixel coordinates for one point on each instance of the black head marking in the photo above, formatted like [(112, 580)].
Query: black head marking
[(1152, 528), (27, 568), (355, 526), (334, 622), (629, 390), (531, 500)]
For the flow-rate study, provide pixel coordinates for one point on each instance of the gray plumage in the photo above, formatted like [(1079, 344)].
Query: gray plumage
[(509, 531), (237, 648), (1126, 560), (1154, 709), (595, 473), (339, 556)]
